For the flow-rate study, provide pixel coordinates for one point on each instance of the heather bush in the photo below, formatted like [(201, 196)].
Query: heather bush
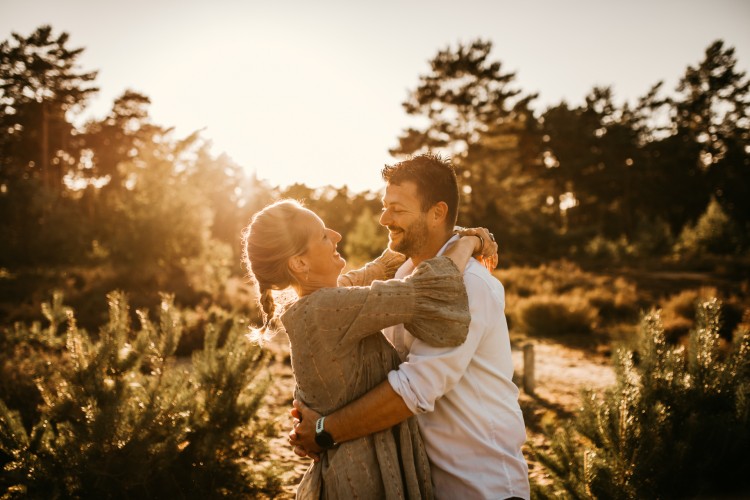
[(676, 424), (551, 315), (561, 298), (125, 418), (556, 278), (615, 301)]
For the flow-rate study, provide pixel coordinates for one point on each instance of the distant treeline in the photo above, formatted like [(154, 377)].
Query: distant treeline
[(124, 203)]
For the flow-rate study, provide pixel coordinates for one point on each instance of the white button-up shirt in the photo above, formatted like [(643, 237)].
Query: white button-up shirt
[(465, 400)]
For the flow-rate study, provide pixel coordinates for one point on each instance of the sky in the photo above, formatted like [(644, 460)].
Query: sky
[(311, 91)]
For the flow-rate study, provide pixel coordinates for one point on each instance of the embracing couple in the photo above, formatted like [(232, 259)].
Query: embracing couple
[(403, 367)]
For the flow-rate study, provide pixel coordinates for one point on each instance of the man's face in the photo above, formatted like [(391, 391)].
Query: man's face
[(403, 216)]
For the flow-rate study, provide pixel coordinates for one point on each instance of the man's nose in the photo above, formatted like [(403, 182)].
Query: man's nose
[(385, 218)]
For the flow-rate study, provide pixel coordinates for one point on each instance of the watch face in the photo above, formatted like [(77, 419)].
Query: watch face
[(324, 440)]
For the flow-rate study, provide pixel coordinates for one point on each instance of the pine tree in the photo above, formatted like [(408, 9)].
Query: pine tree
[(126, 419), (40, 83), (676, 424)]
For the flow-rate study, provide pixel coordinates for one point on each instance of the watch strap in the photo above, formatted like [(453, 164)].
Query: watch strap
[(322, 437), (320, 425)]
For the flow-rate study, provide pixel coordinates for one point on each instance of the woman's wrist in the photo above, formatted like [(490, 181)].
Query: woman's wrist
[(481, 244), (473, 239)]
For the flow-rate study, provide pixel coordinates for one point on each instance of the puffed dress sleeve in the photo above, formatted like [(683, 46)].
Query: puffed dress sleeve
[(382, 268), (431, 303)]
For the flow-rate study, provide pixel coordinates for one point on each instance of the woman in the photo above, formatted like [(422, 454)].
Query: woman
[(337, 351)]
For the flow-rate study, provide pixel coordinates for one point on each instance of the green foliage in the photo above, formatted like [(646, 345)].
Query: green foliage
[(601, 248), (590, 151), (39, 85), (473, 113), (676, 424), (30, 356), (653, 236), (125, 418), (464, 93), (713, 233)]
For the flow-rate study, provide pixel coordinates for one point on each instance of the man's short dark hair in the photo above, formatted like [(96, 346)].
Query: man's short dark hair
[(435, 178)]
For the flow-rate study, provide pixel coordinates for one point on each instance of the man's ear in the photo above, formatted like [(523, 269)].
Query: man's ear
[(439, 212), (297, 264)]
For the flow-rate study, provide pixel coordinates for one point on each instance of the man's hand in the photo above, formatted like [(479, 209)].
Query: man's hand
[(302, 436)]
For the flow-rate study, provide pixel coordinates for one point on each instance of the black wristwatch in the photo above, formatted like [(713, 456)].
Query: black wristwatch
[(322, 437)]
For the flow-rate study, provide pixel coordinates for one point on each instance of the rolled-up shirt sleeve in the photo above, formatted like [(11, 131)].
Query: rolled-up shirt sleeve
[(430, 372)]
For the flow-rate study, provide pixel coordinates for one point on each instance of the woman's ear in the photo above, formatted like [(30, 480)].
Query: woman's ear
[(297, 265)]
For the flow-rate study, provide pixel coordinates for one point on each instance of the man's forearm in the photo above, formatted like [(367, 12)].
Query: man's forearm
[(377, 410)]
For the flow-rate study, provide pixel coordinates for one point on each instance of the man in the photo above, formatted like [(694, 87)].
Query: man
[(464, 397)]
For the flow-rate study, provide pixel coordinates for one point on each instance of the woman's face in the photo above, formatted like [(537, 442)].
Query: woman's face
[(323, 261)]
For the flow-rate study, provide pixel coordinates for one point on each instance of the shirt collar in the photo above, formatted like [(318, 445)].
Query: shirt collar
[(442, 250)]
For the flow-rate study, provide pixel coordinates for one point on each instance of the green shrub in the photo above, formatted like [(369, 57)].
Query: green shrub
[(30, 357), (126, 419), (713, 233), (551, 315), (676, 424), (602, 248), (652, 237)]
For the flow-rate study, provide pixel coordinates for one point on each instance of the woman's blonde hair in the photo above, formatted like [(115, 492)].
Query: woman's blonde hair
[(274, 235)]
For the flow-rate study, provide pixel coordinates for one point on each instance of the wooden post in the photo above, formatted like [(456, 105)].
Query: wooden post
[(528, 369)]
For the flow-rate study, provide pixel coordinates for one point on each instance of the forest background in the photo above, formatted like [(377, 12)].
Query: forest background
[(592, 204), (122, 203)]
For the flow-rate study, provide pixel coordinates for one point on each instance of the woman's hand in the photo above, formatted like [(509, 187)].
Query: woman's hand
[(486, 247)]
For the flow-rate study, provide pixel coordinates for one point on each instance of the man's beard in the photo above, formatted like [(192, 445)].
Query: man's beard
[(413, 238)]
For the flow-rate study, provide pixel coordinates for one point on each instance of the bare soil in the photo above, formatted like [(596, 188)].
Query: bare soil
[(561, 373)]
